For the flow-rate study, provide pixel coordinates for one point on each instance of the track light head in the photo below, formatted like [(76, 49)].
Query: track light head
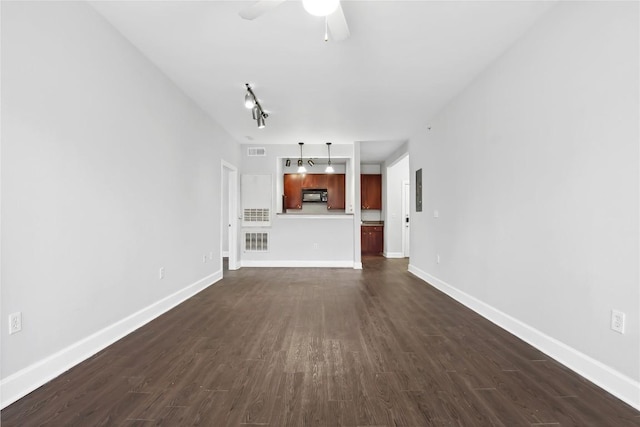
[(300, 163), (311, 163), (249, 100), (260, 122), (287, 163)]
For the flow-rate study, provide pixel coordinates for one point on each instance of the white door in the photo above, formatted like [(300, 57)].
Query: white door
[(406, 224)]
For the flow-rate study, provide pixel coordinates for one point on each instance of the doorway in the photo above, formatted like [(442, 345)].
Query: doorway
[(229, 216)]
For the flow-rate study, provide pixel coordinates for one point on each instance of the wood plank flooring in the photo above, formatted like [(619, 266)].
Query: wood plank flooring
[(320, 347)]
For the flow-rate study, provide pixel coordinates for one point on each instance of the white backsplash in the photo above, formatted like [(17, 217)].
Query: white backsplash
[(370, 215)]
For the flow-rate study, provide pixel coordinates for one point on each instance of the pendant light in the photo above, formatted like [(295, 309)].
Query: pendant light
[(301, 168), (329, 168)]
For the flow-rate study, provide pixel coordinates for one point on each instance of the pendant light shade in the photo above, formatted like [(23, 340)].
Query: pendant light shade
[(320, 7)]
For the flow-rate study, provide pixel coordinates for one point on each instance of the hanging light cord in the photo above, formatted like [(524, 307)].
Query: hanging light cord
[(326, 28)]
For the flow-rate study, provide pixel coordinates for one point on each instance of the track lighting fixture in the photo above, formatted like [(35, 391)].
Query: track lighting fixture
[(251, 102), (311, 163), (329, 168), (287, 163), (301, 168)]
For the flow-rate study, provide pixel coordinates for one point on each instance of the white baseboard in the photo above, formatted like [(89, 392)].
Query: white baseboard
[(295, 264), (393, 254), (619, 385), (30, 378), (357, 266)]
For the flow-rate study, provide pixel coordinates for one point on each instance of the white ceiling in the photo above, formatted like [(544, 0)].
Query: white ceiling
[(403, 62)]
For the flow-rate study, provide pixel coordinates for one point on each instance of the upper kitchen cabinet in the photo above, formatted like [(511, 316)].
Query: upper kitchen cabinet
[(371, 191), (335, 191), (293, 191), (312, 180)]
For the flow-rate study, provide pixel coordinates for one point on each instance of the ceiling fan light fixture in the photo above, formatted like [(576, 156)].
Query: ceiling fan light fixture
[(320, 7)]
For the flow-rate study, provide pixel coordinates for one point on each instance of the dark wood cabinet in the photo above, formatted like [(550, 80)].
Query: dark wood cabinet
[(335, 191), (371, 240), (314, 180), (295, 182), (293, 191), (371, 191)]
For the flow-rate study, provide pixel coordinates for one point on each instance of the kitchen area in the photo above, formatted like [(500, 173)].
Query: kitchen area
[(316, 218), (324, 194)]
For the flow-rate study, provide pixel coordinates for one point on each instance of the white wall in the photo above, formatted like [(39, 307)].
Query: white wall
[(108, 173), (534, 171), (395, 175)]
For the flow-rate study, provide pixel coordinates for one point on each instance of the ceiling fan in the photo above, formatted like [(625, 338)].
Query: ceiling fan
[(335, 21)]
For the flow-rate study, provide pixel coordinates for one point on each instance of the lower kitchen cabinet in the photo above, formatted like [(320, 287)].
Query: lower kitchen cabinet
[(371, 240)]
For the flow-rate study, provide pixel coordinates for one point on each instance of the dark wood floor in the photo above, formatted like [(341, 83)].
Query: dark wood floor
[(327, 347)]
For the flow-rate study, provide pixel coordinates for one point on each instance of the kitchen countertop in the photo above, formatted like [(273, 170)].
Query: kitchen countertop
[(371, 223)]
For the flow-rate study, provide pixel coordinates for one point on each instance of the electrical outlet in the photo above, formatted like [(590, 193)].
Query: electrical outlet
[(617, 321), (15, 322), (161, 273)]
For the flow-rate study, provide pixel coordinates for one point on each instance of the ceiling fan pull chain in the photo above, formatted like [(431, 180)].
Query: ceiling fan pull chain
[(326, 28)]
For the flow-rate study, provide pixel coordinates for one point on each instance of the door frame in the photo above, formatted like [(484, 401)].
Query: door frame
[(406, 212), (232, 205)]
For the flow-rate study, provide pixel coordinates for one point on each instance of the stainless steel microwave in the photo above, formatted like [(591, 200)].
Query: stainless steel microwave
[(317, 195)]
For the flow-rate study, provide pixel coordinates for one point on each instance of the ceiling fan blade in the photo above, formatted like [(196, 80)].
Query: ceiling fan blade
[(259, 8), (338, 25)]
